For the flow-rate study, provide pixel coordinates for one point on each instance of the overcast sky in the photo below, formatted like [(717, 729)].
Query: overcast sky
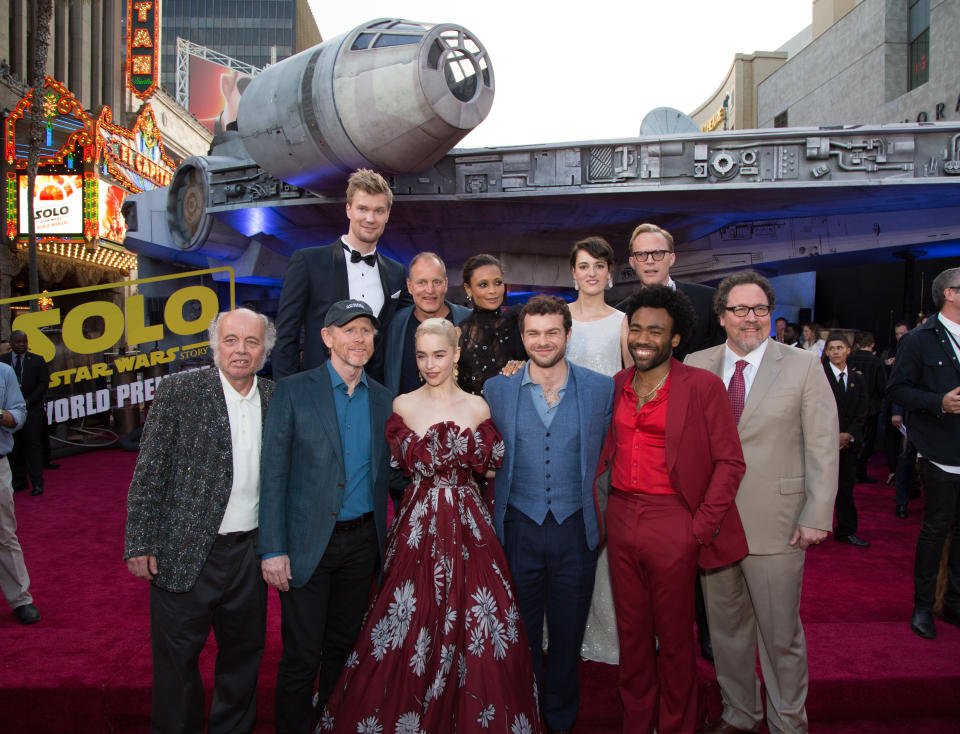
[(594, 71)]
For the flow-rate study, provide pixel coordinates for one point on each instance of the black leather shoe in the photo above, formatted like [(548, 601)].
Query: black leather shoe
[(922, 623), (36, 490), (950, 615), (852, 540), (902, 511), (27, 614)]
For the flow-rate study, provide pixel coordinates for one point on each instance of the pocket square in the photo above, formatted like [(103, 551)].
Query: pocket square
[(395, 296)]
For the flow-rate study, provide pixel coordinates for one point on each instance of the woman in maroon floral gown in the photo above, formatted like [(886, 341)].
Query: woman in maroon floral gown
[(443, 648)]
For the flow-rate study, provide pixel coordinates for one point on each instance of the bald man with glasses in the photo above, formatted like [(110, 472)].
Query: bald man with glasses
[(652, 255)]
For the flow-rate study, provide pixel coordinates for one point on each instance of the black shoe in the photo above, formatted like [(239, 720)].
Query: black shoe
[(922, 623), (852, 540), (51, 465), (36, 490), (902, 511), (27, 614), (950, 615)]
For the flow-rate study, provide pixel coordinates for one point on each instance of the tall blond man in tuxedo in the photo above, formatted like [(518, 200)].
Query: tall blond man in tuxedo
[(789, 430)]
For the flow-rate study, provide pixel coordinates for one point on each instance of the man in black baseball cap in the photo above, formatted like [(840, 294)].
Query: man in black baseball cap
[(323, 508)]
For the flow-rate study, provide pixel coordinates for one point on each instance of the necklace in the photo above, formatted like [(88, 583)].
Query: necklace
[(647, 397)]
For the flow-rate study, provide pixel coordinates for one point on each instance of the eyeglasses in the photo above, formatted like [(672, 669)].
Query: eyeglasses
[(643, 256), (761, 310)]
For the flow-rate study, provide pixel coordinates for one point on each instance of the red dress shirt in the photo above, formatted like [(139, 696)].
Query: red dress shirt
[(640, 461)]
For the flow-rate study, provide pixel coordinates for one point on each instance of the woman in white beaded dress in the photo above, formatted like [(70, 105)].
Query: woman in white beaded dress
[(598, 341)]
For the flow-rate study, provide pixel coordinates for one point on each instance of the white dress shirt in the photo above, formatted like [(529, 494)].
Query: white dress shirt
[(246, 421), (363, 281), (730, 359), (837, 373)]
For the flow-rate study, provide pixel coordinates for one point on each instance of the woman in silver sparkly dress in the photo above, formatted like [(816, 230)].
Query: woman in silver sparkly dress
[(597, 342)]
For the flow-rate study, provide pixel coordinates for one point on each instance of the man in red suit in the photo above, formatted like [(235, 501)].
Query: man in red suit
[(670, 468)]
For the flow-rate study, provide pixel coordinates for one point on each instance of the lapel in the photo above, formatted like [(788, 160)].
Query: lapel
[(341, 286), (945, 341), (766, 378), (379, 412), (321, 395), (676, 412), (214, 398), (585, 407), (384, 285)]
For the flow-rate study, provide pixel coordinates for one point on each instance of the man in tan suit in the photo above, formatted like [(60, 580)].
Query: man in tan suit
[(787, 420)]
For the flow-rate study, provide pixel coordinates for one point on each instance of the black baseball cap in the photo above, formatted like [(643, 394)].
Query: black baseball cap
[(343, 312)]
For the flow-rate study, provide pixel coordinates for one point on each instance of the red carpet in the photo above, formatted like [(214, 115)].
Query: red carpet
[(86, 666)]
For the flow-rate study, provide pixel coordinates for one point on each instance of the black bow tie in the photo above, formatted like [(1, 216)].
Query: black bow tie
[(356, 257)]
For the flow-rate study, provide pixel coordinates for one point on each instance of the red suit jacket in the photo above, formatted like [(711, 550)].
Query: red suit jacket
[(703, 457)]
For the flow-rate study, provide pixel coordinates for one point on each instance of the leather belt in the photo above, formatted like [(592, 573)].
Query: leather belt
[(358, 522)]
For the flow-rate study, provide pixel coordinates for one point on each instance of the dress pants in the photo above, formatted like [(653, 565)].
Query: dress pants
[(846, 507), (757, 601), (868, 446), (320, 622), (941, 513), (14, 580), (553, 571), (903, 477), (230, 596), (653, 566), (27, 456)]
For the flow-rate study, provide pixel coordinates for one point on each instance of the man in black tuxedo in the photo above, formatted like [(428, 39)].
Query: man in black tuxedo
[(850, 391), (866, 362), (651, 257), (33, 376), (350, 268)]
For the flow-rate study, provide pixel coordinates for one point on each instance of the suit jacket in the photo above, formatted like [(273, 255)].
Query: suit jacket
[(874, 374), (303, 476), (851, 403), (789, 432), (704, 460), (183, 477), (595, 404), (926, 369), (34, 378), (396, 333), (706, 331), (316, 278)]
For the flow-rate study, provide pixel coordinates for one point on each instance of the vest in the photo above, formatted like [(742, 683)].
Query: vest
[(546, 468)]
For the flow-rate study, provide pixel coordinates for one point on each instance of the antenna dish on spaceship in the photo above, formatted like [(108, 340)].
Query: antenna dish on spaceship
[(667, 121)]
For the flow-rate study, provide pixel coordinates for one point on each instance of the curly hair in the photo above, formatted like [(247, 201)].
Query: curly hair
[(744, 277), (673, 302)]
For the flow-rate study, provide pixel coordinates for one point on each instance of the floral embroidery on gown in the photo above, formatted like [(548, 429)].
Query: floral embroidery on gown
[(442, 648)]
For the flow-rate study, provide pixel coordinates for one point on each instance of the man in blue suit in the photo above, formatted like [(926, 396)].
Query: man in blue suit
[(323, 508), (427, 284), (553, 416)]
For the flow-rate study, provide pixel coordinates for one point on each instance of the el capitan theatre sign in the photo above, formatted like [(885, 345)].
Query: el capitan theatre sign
[(134, 157)]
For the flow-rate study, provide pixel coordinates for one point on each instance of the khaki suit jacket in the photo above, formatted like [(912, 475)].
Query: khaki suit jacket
[(789, 432)]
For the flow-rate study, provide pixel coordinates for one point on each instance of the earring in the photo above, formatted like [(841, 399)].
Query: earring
[(576, 286), (609, 282)]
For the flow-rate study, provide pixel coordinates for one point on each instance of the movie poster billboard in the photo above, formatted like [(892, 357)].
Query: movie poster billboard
[(215, 92), (107, 353), (57, 205), (112, 224)]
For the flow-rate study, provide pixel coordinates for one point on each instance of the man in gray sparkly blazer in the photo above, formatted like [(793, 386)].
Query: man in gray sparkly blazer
[(192, 521)]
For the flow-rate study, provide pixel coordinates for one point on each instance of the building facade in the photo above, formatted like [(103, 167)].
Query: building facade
[(258, 32), (883, 61)]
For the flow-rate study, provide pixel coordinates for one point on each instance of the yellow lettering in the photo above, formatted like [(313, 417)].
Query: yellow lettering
[(73, 336), (141, 362), (173, 310), (137, 330), (171, 355), (30, 324), (101, 369), (83, 373), (60, 378), (123, 364)]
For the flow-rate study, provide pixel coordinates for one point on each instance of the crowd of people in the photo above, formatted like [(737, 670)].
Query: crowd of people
[(572, 480)]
